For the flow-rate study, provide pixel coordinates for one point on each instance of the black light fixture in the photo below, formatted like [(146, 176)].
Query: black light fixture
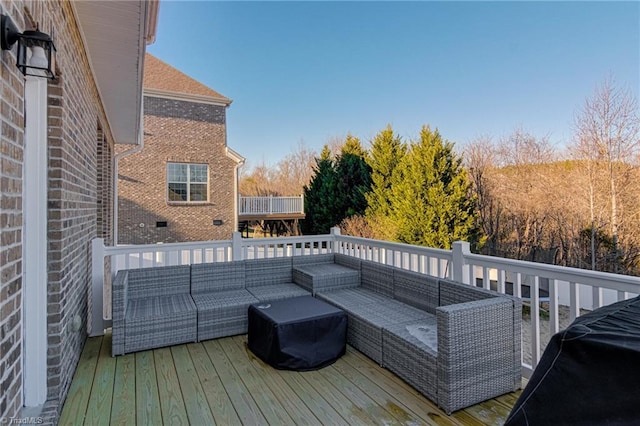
[(36, 51)]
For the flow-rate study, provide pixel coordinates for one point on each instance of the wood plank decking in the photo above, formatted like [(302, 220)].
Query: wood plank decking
[(221, 382)]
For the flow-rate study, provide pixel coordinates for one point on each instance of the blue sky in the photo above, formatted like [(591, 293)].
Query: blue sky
[(311, 71)]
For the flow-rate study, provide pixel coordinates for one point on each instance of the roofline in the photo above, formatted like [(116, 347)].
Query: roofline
[(179, 96), (235, 156)]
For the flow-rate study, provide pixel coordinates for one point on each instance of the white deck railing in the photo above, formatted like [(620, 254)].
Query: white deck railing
[(574, 288), (270, 205)]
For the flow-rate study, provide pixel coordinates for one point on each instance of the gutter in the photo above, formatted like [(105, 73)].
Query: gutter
[(240, 160), (116, 162)]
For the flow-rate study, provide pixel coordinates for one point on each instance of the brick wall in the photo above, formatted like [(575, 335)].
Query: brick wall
[(104, 185), (183, 132), (73, 114), (11, 151)]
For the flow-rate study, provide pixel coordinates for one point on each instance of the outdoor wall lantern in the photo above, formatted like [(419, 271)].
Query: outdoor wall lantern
[(36, 51)]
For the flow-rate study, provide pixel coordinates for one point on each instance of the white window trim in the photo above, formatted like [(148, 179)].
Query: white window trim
[(188, 183)]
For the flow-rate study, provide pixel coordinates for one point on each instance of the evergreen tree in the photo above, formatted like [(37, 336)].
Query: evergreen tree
[(431, 202), (320, 197), (354, 179), (387, 150)]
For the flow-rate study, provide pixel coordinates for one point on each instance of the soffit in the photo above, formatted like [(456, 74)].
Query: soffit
[(115, 34)]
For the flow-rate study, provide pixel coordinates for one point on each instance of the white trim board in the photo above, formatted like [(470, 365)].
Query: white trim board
[(34, 255)]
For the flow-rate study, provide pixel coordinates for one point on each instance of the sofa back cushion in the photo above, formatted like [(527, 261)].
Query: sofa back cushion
[(416, 289), (312, 259), (452, 292), (377, 277), (348, 261), (218, 276), (261, 272), (158, 281)]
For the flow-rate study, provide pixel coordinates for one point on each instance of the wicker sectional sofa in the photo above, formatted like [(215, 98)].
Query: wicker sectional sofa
[(456, 344)]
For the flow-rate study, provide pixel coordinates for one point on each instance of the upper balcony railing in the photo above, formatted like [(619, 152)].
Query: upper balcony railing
[(256, 206), (571, 288)]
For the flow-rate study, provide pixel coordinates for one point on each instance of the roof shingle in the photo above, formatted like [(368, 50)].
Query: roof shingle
[(162, 76)]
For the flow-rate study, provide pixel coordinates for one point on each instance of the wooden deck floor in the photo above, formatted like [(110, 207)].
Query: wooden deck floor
[(221, 382)]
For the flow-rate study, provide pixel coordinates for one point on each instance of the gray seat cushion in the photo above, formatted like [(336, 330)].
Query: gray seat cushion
[(158, 307), (223, 299), (277, 292), (223, 313), (352, 297)]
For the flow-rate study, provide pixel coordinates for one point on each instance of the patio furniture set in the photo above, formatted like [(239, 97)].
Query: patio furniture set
[(456, 344)]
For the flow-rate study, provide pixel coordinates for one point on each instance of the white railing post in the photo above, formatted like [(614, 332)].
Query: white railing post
[(554, 320), (97, 287), (236, 246), (334, 232), (574, 301), (534, 309), (458, 263)]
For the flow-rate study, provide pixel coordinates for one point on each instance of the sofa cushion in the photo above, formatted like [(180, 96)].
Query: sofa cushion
[(416, 289), (348, 261), (223, 313), (158, 281), (422, 333), (158, 307), (410, 351), (325, 276), (277, 291), (224, 299), (313, 259), (219, 276), (377, 277), (268, 271), (352, 297), (389, 313)]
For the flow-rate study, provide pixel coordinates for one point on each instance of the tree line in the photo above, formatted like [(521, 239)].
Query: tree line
[(516, 196)]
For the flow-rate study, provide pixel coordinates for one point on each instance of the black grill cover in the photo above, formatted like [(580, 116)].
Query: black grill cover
[(301, 333), (589, 374)]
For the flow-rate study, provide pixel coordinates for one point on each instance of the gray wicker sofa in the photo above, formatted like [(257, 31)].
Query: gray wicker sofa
[(170, 305), (456, 344)]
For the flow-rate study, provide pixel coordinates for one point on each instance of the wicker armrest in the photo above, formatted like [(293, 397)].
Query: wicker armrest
[(477, 341), (453, 292), (118, 310)]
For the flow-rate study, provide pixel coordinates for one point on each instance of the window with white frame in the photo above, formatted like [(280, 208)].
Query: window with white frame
[(187, 183)]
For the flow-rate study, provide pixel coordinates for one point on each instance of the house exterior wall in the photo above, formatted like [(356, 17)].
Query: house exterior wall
[(11, 161), (74, 174), (183, 132)]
